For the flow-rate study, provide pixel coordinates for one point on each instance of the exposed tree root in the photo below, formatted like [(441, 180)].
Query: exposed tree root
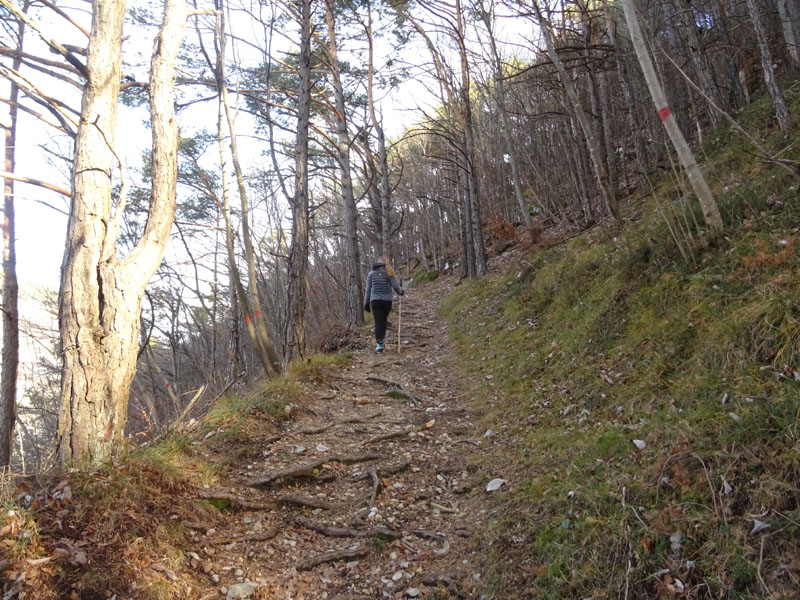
[(403, 395), (333, 531), (196, 526), (306, 469), (234, 500), (332, 556), (384, 470), (384, 381), (260, 536), (362, 419), (306, 501), (320, 429), (399, 433)]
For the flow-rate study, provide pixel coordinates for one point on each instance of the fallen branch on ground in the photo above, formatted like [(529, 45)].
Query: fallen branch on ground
[(308, 468), (332, 556), (333, 531)]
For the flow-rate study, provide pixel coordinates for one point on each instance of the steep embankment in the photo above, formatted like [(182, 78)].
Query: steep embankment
[(645, 390)]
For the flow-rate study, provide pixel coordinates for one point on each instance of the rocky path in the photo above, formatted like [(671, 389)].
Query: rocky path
[(363, 495)]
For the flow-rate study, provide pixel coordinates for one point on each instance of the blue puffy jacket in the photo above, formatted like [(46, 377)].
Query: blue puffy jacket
[(379, 285)]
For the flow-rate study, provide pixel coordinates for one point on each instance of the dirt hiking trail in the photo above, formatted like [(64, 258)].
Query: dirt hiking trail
[(363, 494)]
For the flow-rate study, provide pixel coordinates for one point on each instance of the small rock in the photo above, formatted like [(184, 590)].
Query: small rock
[(215, 578), (640, 444), (495, 484), (413, 593), (397, 576), (241, 590), (758, 526), (238, 572)]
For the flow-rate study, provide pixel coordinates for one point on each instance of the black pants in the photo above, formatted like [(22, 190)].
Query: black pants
[(380, 311)]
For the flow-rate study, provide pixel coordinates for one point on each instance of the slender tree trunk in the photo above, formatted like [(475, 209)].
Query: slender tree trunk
[(595, 154), (789, 33), (354, 290), (706, 198), (239, 292), (705, 75), (10, 359), (383, 187), (737, 96), (472, 192), (505, 123), (778, 102), (101, 296), (264, 342), (295, 332)]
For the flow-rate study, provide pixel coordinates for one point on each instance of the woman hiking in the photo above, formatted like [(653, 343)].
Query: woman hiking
[(378, 296)]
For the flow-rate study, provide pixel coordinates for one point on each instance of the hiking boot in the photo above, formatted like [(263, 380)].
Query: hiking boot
[(379, 347)]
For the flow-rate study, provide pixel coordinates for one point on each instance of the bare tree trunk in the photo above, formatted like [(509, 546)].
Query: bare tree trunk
[(688, 29), (101, 295), (595, 154), (778, 102), (505, 122), (264, 343), (383, 187), (472, 193), (706, 198), (354, 291), (789, 33), (238, 290), (295, 332), (10, 359)]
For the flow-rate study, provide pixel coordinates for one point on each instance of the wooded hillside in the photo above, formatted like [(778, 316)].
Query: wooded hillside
[(291, 144)]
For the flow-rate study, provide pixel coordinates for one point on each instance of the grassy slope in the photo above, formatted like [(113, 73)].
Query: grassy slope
[(605, 340), (121, 527)]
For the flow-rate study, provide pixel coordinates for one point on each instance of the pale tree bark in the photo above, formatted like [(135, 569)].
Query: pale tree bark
[(353, 288), (505, 122), (101, 293), (707, 202), (383, 185), (10, 358), (255, 319), (778, 102), (790, 35), (295, 329), (595, 155)]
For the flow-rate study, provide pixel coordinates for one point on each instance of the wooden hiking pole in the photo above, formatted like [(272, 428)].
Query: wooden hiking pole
[(399, 320)]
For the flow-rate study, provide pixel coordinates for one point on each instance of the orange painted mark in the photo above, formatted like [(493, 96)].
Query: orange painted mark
[(248, 319), (259, 314), (664, 113)]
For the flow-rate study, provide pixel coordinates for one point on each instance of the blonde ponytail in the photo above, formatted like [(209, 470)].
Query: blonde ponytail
[(389, 269)]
